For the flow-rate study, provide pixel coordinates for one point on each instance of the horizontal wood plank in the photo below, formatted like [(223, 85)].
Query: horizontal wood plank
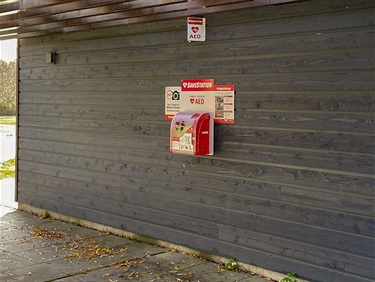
[(364, 122), (350, 101), (177, 50), (334, 238)]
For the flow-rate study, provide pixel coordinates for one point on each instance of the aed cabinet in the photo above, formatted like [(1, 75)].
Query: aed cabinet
[(192, 133)]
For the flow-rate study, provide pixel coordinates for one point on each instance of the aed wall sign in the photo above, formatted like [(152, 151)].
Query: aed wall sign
[(196, 29), (197, 94), (201, 95)]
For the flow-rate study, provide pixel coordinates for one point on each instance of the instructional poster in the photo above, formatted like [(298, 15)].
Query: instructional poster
[(224, 103)]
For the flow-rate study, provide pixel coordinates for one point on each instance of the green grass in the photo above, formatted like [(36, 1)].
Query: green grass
[(8, 120), (8, 169), (291, 277), (232, 265)]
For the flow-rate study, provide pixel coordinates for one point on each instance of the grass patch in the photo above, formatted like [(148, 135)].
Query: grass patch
[(8, 120), (8, 169)]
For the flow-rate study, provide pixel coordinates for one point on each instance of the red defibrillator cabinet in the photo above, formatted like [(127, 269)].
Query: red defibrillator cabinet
[(192, 133)]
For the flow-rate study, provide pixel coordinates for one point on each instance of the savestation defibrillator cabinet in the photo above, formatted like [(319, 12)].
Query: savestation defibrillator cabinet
[(194, 107), (192, 133)]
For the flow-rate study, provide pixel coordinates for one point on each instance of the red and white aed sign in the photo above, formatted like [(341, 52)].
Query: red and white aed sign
[(196, 29), (198, 95)]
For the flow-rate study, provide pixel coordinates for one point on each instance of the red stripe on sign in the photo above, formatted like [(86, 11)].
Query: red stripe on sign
[(197, 85), (228, 87), (198, 21)]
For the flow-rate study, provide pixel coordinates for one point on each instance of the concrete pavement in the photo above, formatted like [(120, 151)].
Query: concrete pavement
[(36, 249)]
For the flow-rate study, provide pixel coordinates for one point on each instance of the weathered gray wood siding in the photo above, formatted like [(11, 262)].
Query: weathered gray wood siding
[(290, 186)]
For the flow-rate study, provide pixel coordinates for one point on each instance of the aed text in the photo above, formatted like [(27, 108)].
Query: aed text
[(195, 36), (199, 101)]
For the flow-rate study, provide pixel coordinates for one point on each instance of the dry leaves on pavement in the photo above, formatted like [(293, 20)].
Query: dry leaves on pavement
[(77, 247)]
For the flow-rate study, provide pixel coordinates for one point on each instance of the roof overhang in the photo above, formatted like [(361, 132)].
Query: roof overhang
[(30, 18)]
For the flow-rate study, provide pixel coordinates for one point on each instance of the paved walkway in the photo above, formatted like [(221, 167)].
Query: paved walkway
[(35, 249)]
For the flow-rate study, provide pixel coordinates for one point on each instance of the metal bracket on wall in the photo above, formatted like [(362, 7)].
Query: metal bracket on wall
[(51, 57)]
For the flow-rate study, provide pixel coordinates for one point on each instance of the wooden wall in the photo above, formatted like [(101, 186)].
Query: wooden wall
[(291, 184)]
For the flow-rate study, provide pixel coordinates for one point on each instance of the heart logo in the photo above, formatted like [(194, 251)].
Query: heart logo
[(195, 29), (192, 100), (184, 84)]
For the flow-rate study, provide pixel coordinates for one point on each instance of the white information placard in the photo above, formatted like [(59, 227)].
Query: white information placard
[(198, 95), (201, 95), (192, 95), (172, 101)]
